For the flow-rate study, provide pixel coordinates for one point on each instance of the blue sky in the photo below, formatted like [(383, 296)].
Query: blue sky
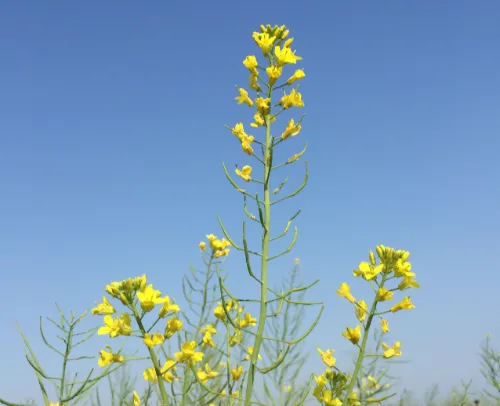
[(112, 140)]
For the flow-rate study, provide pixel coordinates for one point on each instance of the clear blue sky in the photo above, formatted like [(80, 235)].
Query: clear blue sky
[(112, 138)]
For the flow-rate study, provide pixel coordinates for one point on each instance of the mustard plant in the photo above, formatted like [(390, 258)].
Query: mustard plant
[(490, 369), (69, 389), (335, 387), (271, 100)]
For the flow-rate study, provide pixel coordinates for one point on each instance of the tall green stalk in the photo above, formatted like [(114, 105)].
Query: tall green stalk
[(265, 259)]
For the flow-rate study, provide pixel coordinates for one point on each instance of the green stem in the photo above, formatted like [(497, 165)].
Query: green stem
[(65, 360), (362, 349), (154, 360), (264, 260)]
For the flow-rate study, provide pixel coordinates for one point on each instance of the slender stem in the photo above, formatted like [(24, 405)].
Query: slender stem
[(154, 360), (264, 260), (362, 349), (65, 360)]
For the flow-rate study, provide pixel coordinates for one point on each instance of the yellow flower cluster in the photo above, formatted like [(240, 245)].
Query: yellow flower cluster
[(392, 264), (219, 247)]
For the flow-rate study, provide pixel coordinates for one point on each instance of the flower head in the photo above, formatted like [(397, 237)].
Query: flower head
[(103, 308), (405, 304), (244, 173), (345, 291), (297, 75), (188, 353), (149, 298), (394, 351), (327, 357), (353, 334)]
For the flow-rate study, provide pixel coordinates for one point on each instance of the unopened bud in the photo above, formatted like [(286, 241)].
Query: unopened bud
[(372, 258)]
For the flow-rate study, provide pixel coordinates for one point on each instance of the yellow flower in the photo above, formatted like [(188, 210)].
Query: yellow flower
[(136, 399), (54, 404), (168, 307), (157, 339), (248, 320), (291, 130), (405, 304), (243, 97), (247, 148), (360, 310), (220, 313), (368, 271), (345, 291), (294, 99), (297, 261), (113, 289), (250, 353), (297, 75), (103, 308), (251, 64), (253, 83), (107, 357), (383, 294), (204, 376), (207, 337), (116, 326), (245, 173), (285, 56), (327, 357), (384, 324), (202, 245), (173, 326), (407, 283), (394, 351), (353, 400), (274, 73), (258, 121), (353, 334), (188, 353), (149, 374), (286, 388), (262, 105), (328, 399), (403, 269), (236, 339), (166, 370), (321, 381), (149, 297), (263, 41), (237, 372)]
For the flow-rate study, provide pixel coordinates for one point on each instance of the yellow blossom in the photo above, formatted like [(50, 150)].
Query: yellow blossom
[(407, 283), (368, 271), (285, 56), (360, 310), (220, 313), (384, 324), (53, 403), (166, 370), (204, 376), (294, 99), (103, 308), (405, 304), (116, 326), (113, 289), (251, 64), (274, 73), (237, 372), (236, 338), (156, 339), (286, 388), (188, 353), (244, 173), (327, 357), (248, 320), (136, 399), (243, 97), (263, 41), (353, 334), (107, 357), (345, 291), (149, 297), (297, 75), (168, 307), (321, 380), (173, 326), (258, 121), (247, 148), (253, 83), (403, 269), (384, 294), (394, 351), (262, 105), (291, 130), (202, 245), (328, 398), (250, 353), (149, 374)]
